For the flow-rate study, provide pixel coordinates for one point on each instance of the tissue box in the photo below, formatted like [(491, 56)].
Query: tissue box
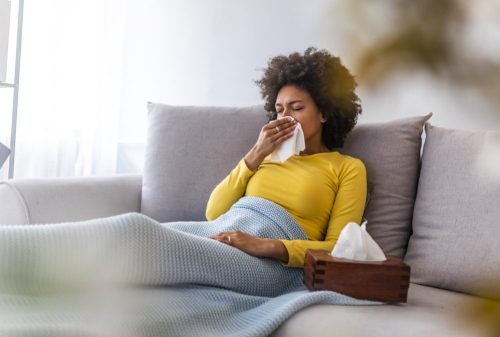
[(385, 281)]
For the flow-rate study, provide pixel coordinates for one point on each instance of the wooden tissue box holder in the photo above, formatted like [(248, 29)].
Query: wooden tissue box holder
[(385, 281)]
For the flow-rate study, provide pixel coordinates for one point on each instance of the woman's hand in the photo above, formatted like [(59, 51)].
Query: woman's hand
[(271, 136), (274, 133), (254, 246)]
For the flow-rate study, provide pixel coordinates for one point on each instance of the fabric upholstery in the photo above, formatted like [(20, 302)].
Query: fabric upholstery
[(189, 150), (429, 312), (177, 183), (49, 200), (391, 154), (456, 222)]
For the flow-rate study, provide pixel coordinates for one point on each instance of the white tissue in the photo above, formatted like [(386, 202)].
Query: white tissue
[(355, 243), (291, 146)]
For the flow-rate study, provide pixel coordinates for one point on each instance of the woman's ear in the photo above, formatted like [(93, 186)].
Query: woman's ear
[(323, 119)]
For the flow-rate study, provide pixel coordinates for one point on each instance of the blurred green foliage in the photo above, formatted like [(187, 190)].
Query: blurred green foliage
[(484, 314), (429, 35)]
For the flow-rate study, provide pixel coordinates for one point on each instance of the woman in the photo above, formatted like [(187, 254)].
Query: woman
[(234, 293), (322, 189)]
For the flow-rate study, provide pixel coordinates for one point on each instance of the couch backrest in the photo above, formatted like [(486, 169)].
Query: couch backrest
[(191, 149), (456, 220)]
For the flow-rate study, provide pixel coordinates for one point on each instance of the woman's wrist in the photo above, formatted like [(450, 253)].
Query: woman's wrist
[(253, 159), (275, 249)]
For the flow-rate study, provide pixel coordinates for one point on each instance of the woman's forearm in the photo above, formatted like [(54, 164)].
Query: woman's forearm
[(252, 245), (275, 249), (253, 159)]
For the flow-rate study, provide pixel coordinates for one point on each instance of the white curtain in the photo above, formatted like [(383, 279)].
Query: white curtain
[(70, 87)]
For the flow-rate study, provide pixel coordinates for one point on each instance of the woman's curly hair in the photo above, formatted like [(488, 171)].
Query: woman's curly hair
[(329, 83)]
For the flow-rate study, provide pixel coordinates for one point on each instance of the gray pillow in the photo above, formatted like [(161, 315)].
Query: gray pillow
[(391, 154), (189, 150), (456, 221)]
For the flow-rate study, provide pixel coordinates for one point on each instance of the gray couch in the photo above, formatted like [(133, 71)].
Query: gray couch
[(437, 207)]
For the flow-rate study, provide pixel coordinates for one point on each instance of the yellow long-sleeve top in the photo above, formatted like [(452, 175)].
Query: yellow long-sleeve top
[(323, 192)]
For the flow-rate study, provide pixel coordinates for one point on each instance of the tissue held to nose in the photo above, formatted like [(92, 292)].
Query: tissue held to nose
[(355, 243), (291, 146)]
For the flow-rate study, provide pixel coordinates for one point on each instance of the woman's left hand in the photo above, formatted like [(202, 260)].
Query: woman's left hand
[(252, 245)]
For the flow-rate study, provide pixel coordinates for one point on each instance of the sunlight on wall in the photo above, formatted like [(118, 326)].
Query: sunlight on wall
[(70, 87), (85, 87)]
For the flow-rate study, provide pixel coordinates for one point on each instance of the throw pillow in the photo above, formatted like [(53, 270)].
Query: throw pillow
[(391, 154), (456, 221), (189, 150)]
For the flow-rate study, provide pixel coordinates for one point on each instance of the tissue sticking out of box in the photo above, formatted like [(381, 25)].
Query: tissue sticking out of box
[(355, 243)]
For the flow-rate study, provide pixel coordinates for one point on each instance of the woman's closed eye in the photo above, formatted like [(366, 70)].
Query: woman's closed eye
[(280, 111)]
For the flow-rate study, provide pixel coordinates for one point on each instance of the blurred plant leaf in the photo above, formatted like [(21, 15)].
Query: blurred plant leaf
[(484, 314), (427, 35)]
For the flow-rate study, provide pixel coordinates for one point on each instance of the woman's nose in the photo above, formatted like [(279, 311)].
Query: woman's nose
[(287, 112)]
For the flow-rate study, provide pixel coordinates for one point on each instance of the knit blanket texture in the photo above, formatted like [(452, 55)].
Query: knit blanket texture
[(129, 275)]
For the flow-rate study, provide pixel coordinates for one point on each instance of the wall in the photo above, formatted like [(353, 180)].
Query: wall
[(197, 52), (209, 52), (4, 37)]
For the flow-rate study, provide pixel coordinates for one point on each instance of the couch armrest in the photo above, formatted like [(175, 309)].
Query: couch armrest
[(51, 200)]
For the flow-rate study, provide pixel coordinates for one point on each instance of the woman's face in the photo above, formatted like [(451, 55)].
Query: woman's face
[(297, 103)]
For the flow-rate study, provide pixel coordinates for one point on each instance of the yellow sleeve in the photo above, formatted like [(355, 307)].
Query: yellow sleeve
[(349, 205), (228, 191)]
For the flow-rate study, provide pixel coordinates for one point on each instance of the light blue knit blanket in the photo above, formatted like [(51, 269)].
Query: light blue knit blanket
[(129, 275)]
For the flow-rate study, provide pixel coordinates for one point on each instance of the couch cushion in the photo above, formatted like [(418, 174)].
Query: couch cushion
[(391, 154), (429, 312), (456, 221), (189, 150)]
